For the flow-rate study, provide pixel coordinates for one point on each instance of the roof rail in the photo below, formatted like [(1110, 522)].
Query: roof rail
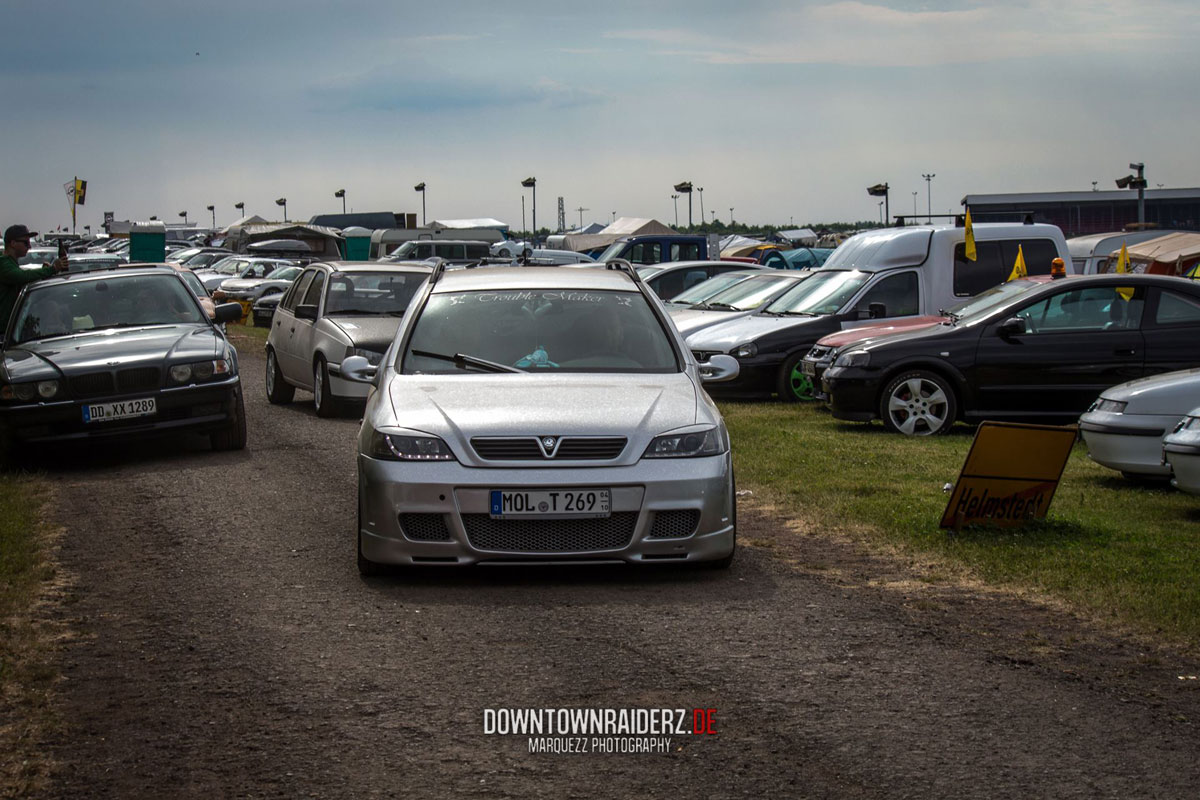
[(439, 266), (624, 266)]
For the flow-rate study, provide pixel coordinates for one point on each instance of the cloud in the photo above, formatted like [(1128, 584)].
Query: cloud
[(856, 33)]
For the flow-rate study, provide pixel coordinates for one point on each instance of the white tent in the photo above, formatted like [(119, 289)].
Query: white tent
[(625, 226), (460, 224)]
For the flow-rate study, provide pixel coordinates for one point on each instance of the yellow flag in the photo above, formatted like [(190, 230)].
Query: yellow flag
[(80, 191), (969, 248), (1019, 270), (1123, 267)]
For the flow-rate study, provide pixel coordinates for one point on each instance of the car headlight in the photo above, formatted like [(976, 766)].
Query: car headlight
[(1111, 406), (686, 445), (373, 357), (748, 350), (855, 358), (398, 447), (28, 392), (199, 371)]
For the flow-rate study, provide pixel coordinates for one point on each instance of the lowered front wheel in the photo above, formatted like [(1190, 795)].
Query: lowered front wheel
[(794, 385), (918, 403)]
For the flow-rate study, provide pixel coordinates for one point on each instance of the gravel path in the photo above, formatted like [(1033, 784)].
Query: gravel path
[(227, 647)]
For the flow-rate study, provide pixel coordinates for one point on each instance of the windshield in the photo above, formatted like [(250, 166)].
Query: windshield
[(710, 287), (752, 292), (540, 331), (825, 292), (612, 251), (286, 274), (371, 293), (116, 301), (986, 301)]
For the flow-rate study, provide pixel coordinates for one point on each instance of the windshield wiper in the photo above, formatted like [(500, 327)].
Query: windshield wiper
[(463, 361), (797, 314), (721, 307)]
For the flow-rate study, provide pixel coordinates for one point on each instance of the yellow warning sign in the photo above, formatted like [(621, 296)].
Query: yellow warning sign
[(1010, 474)]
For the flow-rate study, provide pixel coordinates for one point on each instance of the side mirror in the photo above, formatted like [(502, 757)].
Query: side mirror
[(306, 311), (1013, 326), (719, 368), (876, 310), (228, 312), (358, 369)]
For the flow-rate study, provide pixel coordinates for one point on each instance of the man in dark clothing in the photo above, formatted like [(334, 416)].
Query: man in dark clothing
[(13, 277)]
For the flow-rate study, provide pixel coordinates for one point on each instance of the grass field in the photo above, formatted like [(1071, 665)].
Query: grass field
[(1118, 549)]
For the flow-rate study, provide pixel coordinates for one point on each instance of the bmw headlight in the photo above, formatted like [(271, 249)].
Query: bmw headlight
[(854, 358), (28, 392), (692, 444), (398, 447), (200, 371), (373, 357), (1111, 406), (748, 350)]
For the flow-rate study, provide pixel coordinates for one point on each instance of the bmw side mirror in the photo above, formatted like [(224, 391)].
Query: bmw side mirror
[(1013, 326), (358, 369), (719, 368), (306, 311), (228, 312)]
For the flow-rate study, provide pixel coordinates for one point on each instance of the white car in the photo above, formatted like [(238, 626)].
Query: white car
[(1181, 453), (1124, 428), (541, 415)]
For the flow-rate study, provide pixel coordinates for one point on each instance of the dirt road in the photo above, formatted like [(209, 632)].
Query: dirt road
[(227, 647)]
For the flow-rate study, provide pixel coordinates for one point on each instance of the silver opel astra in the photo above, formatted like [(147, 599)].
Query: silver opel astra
[(541, 415)]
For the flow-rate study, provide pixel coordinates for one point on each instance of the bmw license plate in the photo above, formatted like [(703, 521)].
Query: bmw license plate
[(550, 503), (124, 409), (808, 368)]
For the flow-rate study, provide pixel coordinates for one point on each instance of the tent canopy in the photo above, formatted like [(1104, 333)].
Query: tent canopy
[(624, 226)]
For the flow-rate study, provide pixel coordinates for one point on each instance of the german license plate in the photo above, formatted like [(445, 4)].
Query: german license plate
[(124, 409), (808, 368), (509, 504)]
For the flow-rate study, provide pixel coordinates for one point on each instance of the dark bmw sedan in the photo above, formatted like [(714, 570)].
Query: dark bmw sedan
[(1020, 354), (115, 354)]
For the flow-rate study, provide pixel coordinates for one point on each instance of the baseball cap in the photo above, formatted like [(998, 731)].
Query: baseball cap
[(17, 232)]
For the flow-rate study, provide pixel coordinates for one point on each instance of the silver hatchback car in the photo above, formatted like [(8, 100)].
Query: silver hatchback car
[(541, 415)]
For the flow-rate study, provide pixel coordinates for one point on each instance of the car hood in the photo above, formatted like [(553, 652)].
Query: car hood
[(852, 335), (112, 348), (459, 407), (728, 335), (367, 332), (1169, 393), (692, 320), (240, 284)]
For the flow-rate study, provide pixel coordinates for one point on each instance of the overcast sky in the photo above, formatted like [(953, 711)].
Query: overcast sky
[(785, 111)]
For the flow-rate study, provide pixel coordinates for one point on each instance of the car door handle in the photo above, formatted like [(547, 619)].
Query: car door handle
[(1127, 351)]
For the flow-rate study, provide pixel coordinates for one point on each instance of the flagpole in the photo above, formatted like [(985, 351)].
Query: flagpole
[(74, 187)]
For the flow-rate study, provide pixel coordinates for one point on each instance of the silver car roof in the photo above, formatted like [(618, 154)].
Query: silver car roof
[(494, 278)]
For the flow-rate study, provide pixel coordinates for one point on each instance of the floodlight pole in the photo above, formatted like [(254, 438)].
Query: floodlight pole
[(929, 196), (675, 200)]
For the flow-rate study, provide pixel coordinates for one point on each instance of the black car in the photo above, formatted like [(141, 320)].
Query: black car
[(264, 309), (1041, 354), (114, 354)]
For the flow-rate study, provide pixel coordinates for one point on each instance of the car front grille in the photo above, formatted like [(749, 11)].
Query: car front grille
[(526, 448), (92, 384), (138, 380), (550, 535), (425, 527), (674, 524)]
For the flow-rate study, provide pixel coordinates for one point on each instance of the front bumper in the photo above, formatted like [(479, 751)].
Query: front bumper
[(757, 377), (853, 394), (201, 408), (1127, 442), (663, 511), (1181, 453)]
